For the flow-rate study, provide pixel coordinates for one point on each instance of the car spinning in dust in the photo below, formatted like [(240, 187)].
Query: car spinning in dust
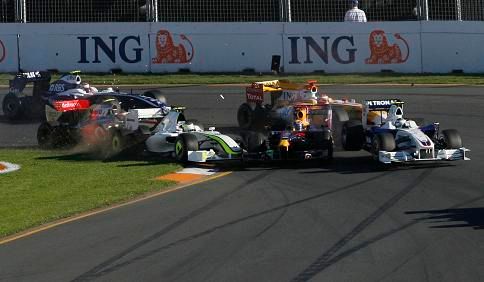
[(390, 138), (106, 121)]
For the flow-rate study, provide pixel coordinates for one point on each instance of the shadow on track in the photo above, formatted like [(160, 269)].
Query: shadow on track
[(448, 218), (25, 120), (343, 165)]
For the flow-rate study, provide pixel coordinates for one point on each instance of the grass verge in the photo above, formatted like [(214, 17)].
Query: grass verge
[(54, 185), (377, 78)]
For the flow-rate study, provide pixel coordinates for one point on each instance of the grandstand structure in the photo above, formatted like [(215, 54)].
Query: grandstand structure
[(59, 11)]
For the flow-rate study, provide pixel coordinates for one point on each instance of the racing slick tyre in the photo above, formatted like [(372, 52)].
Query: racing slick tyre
[(45, 137), (352, 135), (339, 117), (11, 106), (184, 143), (245, 116), (255, 142), (452, 139), (261, 118), (155, 94), (382, 142), (114, 145)]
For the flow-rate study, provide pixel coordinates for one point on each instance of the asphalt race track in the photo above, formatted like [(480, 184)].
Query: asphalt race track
[(350, 220)]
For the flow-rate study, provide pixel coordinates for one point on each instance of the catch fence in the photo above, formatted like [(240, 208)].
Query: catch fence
[(50, 11)]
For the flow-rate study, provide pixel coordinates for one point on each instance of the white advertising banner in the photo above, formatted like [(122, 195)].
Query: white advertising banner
[(214, 47), (8, 48), (8, 53), (405, 47), (452, 46), (352, 47), (87, 47)]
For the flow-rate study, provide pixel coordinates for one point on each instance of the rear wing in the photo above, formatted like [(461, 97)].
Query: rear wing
[(33, 76), (255, 92), (382, 105), (41, 80)]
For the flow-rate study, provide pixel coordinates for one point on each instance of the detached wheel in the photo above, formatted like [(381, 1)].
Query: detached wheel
[(45, 137), (452, 139), (183, 144), (11, 106), (352, 135), (382, 142), (245, 116)]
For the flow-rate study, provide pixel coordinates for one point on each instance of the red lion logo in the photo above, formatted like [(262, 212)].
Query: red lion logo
[(168, 53), (384, 53)]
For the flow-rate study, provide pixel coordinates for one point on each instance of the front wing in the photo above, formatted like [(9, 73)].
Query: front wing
[(439, 155), (202, 156)]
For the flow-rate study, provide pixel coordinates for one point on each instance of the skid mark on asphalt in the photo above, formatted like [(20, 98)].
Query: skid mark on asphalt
[(280, 216), (103, 269), (388, 234), (97, 271), (322, 262), (226, 260)]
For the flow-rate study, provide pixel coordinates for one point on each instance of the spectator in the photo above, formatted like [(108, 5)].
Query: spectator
[(354, 14)]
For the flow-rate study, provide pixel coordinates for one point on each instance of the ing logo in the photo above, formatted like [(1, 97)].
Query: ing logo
[(169, 53), (384, 53)]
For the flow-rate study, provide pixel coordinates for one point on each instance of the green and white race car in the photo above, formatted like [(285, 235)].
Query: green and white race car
[(188, 142)]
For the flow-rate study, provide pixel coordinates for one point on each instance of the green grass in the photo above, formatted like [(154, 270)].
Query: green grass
[(389, 78), (54, 185)]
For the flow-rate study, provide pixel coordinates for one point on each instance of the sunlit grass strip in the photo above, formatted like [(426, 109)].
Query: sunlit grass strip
[(378, 78), (54, 185)]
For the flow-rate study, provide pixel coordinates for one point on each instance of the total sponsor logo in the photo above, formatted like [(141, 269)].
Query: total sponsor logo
[(254, 95)]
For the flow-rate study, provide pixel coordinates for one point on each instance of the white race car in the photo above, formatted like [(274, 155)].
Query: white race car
[(391, 138), (188, 142)]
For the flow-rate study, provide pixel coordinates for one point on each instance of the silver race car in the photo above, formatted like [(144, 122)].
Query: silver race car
[(188, 142), (390, 138)]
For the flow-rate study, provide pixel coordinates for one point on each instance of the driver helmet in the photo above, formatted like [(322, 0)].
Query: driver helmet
[(298, 126), (188, 127), (86, 87)]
